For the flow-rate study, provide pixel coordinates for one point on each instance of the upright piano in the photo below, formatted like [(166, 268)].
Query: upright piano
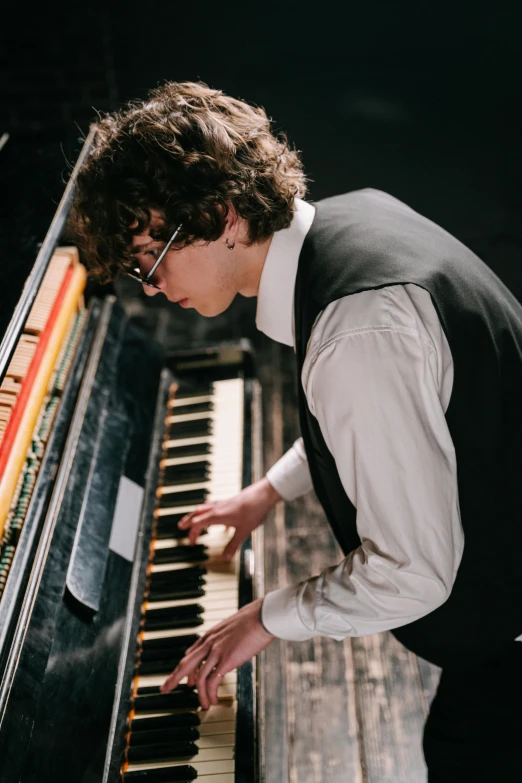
[(105, 443)]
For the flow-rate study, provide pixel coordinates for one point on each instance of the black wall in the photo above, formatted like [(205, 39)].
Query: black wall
[(417, 98)]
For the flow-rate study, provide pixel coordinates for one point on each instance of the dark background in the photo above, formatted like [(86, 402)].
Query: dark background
[(418, 98)]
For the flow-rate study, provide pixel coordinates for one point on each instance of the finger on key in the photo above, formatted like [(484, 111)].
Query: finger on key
[(187, 519), (213, 682), (205, 670)]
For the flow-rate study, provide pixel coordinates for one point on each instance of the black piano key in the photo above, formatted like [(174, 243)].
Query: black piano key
[(169, 524), (182, 774), (169, 531), (161, 735), (170, 643), (196, 407), (147, 690), (172, 617), (191, 390), (197, 462), (161, 654), (173, 519), (160, 702), (205, 423), (164, 653), (168, 751), (179, 720), (177, 475), (176, 593), (174, 612), (193, 450), (191, 497), (189, 429), (200, 461), (189, 467), (177, 575), (181, 554), (167, 623), (157, 666), (173, 478)]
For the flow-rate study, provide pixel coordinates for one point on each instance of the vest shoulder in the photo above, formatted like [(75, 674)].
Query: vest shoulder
[(367, 198), (373, 222)]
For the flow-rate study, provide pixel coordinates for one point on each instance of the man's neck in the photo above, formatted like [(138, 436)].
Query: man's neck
[(251, 261)]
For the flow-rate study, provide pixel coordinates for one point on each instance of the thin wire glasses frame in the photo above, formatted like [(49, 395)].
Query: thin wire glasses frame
[(147, 279)]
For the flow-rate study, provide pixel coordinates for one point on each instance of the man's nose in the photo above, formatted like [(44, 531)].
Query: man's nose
[(150, 291)]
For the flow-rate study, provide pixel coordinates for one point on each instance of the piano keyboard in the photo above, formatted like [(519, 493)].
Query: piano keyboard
[(189, 590)]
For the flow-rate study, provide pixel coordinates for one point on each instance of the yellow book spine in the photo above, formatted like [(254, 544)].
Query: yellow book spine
[(18, 453)]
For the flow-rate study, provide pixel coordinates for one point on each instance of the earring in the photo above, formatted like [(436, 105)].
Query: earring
[(230, 245)]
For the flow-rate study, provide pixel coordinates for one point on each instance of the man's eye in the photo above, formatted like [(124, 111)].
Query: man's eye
[(153, 252)]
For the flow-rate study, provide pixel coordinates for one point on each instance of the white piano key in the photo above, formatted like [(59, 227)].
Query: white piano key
[(206, 756), (217, 741), (210, 728), (213, 569), (226, 711), (155, 680), (211, 600), (204, 763), (226, 690), (171, 462), (210, 486), (216, 615), (213, 574), (178, 402), (217, 715), (172, 632), (198, 440)]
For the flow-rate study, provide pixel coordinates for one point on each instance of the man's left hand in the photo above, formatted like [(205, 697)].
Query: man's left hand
[(225, 647)]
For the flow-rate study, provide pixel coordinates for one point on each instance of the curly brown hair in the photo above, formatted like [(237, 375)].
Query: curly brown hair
[(187, 152)]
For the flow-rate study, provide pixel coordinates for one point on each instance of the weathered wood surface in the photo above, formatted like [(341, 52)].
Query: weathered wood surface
[(336, 712)]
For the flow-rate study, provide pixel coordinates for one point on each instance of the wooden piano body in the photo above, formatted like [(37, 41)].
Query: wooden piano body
[(72, 606)]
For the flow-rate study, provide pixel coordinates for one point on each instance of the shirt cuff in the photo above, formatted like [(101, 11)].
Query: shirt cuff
[(290, 476), (280, 617)]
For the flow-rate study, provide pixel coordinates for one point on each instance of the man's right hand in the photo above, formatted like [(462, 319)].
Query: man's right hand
[(244, 512)]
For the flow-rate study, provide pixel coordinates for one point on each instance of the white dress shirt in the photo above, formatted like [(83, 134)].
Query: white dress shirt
[(377, 375)]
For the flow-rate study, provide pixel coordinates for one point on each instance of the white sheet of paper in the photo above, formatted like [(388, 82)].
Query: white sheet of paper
[(126, 519)]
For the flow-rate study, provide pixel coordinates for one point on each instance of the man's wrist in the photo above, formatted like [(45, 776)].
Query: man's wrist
[(270, 494)]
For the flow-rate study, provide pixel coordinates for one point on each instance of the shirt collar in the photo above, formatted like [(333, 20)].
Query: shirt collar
[(275, 299)]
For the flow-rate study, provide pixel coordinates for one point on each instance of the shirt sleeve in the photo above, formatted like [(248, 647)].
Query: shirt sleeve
[(375, 395), (290, 476)]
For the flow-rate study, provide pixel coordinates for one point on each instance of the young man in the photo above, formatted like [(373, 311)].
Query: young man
[(409, 352)]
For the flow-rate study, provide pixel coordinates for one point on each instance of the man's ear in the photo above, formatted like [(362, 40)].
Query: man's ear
[(232, 218)]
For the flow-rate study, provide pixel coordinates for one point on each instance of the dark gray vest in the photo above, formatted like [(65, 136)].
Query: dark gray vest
[(365, 240)]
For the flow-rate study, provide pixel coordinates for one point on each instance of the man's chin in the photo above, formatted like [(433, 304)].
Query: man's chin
[(211, 311)]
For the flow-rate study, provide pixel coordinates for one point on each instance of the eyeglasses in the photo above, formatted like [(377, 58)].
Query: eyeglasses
[(147, 280)]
